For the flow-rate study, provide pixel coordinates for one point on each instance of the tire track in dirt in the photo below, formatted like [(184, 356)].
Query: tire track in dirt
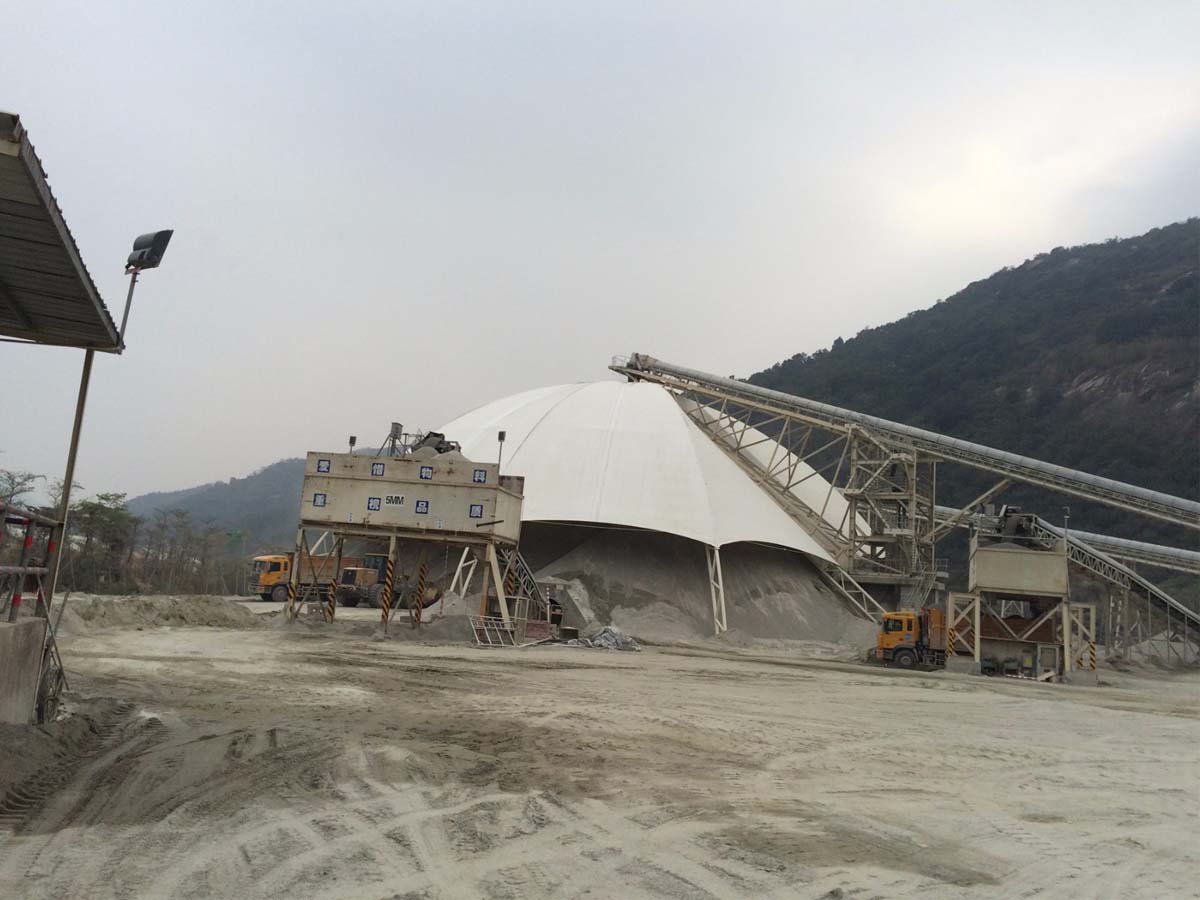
[(24, 800)]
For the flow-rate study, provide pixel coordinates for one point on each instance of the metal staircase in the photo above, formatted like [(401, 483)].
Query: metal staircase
[(850, 590), (914, 595), (519, 581)]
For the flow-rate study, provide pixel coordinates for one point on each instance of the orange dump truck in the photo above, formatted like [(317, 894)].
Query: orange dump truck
[(269, 575), (910, 639)]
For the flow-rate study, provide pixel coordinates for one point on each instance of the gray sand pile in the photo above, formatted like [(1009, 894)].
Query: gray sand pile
[(655, 587), (28, 750), (89, 611)]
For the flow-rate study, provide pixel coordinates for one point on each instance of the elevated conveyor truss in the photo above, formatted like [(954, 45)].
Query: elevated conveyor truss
[(876, 516), (715, 389)]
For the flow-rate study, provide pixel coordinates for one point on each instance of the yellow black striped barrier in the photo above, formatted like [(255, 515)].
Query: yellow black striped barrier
[(291, 602), (331, 600), (385, 597), (1091, 656), (418, 602)]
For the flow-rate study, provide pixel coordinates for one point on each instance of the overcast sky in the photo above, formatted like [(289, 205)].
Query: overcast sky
[(403, 210)]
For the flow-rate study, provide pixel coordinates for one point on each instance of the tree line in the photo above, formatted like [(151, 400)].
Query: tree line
[(109, 550)]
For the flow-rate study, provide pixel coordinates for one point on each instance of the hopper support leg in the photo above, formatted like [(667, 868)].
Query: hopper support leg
[(498, 578), (716, 586)]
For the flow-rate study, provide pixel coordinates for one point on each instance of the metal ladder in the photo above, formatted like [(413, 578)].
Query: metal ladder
[(851, 591), (915, 594), (517, 572)]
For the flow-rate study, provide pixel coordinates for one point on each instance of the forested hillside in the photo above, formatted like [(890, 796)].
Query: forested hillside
[(1086, 356), (262, 505)]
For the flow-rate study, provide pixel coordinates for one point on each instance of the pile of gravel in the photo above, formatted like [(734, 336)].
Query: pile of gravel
[(90, 611), (655, 587)]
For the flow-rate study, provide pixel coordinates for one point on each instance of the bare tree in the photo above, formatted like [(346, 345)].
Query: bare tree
[(55, 492), (15, 486)]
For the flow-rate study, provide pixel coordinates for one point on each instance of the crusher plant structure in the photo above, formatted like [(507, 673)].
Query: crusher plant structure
[(423, 492)]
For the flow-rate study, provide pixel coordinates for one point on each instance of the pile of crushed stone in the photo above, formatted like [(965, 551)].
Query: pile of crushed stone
[(90, 611), (655, 587)]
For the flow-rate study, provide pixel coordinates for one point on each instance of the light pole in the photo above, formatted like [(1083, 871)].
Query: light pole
[(147, 253)]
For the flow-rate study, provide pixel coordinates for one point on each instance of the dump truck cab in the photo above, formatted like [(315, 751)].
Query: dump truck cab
[(898, 630), (364, 583), (269, 576), (355, 585), (909, 639)]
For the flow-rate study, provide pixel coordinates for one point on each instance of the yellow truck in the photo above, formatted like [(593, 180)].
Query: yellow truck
[(364, 584), (270, 574), (911, 639)]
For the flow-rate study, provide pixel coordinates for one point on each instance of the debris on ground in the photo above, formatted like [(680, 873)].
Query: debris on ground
[(607, 638)]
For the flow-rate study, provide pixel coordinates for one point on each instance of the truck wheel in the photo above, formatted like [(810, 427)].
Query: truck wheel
[(348, 600), (373, 596), (905, 659), (279, 593)]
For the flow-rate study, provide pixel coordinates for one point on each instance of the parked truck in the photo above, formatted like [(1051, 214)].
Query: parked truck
[(911, 639), (364, 584), (270, 574)]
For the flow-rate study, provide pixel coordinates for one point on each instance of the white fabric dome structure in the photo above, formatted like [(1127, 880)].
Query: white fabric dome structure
[(617, 453), (625, 455)]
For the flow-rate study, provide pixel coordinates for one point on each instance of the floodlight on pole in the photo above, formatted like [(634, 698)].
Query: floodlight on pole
[(147, 253), (148, 250)]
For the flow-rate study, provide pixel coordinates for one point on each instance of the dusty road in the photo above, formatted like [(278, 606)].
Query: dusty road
[(277, 764)]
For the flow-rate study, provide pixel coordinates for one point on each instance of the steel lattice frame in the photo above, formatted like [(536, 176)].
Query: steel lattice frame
[(782, 441)]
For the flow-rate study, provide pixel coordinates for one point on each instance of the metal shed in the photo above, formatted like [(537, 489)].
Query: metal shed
[(47, 298), (47, 295)]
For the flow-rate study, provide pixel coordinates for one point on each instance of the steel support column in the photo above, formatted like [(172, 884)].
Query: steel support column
[(85, 380), (716, 588)]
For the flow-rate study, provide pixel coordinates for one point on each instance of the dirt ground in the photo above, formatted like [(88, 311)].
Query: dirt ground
[(295, 763)]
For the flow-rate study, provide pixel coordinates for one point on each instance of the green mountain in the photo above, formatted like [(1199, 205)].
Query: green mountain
[(1085, 356), (263, 505)]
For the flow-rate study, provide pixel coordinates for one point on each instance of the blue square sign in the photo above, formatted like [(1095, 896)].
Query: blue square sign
[(373, 504), (318, 499), (426, 473), (476, 510), (323, 466), (422, 507), (480, 476), (376, 469)]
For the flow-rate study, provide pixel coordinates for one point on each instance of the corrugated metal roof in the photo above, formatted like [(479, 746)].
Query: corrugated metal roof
[(46, 293)]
